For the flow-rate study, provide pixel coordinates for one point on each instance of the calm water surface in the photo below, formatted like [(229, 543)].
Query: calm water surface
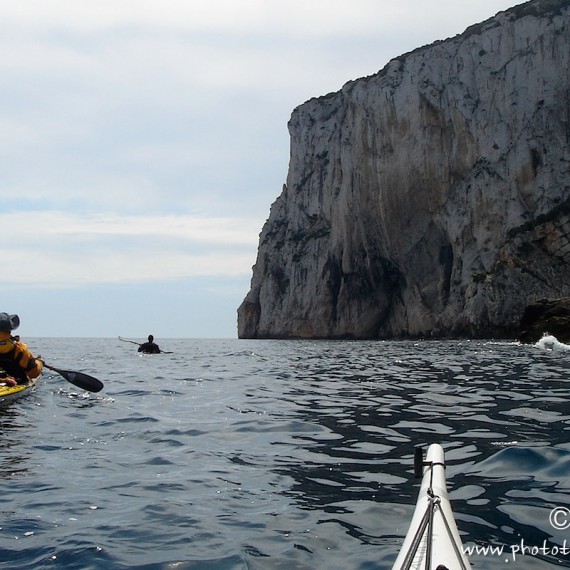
[(232, 454)]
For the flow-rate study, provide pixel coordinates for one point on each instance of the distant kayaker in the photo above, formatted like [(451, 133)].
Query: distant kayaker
[(16, 360), (149, 347)]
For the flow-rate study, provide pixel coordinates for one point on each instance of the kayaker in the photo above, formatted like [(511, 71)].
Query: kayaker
[(16, 359), (149, 347)]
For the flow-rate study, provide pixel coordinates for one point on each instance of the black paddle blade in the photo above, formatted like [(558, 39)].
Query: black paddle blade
[(80, 379)]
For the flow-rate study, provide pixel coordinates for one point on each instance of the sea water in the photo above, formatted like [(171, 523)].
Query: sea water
[(234, 454)]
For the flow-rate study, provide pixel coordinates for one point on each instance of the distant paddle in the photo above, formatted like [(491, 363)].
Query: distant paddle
[(140, 344), (131, 341), (79, 379)]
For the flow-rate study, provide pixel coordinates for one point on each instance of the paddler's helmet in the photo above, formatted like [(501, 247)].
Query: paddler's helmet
[(9, 322)]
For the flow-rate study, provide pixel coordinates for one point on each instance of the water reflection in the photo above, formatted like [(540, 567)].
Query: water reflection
[(265, 455), (499, 409)]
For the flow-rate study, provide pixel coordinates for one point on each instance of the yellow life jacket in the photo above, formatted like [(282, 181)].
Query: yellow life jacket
[(17, 360)]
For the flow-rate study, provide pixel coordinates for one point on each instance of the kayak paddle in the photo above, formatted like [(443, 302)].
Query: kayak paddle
[(131, 341), (79, 379)]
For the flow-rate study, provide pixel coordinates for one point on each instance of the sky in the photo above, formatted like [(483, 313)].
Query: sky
[(142, 143)]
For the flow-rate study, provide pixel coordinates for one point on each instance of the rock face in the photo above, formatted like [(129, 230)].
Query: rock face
[(546, 316), (430, 199)]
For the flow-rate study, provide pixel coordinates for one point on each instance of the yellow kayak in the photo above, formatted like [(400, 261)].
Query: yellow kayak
[(11, 393)]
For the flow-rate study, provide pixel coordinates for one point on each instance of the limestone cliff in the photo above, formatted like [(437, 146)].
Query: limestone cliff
[(429, 199)]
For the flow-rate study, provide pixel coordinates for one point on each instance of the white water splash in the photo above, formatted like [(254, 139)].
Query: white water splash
[(550, 342)]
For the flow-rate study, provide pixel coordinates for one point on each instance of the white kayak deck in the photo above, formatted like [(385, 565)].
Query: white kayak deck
[(432, 541)]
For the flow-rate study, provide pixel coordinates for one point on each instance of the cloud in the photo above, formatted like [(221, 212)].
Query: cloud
[(316, 19), (223, 16), (178, 103), (61, 249)]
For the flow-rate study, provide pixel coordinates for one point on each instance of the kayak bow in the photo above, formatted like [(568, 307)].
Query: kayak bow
[(432, 541), (10, 393)]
